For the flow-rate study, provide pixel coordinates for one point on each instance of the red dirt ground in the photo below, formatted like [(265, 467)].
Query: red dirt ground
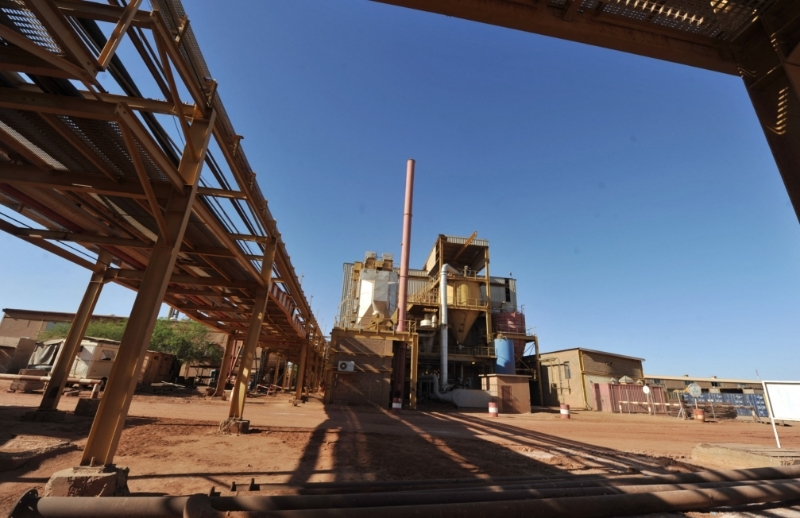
[(171, 443)]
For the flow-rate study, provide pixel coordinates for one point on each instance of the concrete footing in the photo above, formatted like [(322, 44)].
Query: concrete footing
[(743, 456), (232, 426), (89, 481)]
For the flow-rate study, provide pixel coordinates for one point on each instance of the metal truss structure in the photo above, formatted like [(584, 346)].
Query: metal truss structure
[(93, 165), (758, 40)]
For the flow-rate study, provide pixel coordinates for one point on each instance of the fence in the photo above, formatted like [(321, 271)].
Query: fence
[(743, 403), (629, 399)]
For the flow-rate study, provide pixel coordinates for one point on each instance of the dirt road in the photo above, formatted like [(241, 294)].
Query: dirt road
[(171, 443)]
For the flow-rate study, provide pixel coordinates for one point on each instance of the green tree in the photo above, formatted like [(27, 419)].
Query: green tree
[(108, 329), (186, 339)]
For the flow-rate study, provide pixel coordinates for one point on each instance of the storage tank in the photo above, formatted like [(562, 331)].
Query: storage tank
[(514, 323), (504, 350)]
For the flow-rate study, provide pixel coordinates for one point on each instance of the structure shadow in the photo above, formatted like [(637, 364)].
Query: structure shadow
[(355, 445), (594, 456)]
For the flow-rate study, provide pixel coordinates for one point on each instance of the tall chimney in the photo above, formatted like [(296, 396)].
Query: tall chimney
[(402, 295), (405, 247)]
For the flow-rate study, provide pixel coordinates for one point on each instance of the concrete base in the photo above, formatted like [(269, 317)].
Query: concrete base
[(87, 407), (234, 426), (743, 456), (89, 481), (44, 416)]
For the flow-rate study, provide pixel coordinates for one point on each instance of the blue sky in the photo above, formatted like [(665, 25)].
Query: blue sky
[(635, 201)]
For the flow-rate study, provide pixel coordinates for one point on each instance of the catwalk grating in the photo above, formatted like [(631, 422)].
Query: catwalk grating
[(99, 170)]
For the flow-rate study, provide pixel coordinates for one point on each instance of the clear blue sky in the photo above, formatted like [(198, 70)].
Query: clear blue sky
[(635, 201)]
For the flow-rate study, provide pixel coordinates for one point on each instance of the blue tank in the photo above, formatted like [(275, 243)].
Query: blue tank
[(504, 349)]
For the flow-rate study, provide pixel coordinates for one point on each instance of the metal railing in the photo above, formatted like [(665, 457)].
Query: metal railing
[(486, 351), (390, 326)]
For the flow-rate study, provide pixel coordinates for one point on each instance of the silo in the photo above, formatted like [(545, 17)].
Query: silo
[(504, 350)]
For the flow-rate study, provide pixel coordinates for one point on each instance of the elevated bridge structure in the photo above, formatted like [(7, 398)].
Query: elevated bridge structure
[(154, 195), (757, 40)]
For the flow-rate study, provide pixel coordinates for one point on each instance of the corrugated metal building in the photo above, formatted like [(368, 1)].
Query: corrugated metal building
[(568, 375)]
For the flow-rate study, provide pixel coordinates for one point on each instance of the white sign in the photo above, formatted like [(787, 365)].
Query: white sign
[(783, 402), (695, 390), (783, 398), (646, 389)]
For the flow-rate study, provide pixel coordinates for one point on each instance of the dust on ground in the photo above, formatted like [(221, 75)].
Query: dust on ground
[(171, 444)]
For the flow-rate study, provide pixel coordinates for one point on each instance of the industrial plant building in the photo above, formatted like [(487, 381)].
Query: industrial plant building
[(461, 327), (570, 376)]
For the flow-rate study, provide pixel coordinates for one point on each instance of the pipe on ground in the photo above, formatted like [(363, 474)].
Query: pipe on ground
[(717, 488), (26, 377), (357, 500), (584, 506)]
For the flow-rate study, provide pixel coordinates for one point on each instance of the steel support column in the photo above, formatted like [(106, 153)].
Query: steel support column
[(110, 419), (301, 371), (225, 368), (287, 375), (262, 371), (253, 333), (60, 372), (768, 54), (277, 368), (412, 389)]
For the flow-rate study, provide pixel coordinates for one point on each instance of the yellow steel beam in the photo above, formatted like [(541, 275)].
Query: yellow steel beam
[(603, 30), (18, 60), (467, 242), (57, 235), (152, 148), (222, 193), (225, 367), (124, 22), (171, 47), (141, 104), (80, 146), (50, 247), (138, 165), (61, 369), (115, 273), (63, 33), (69, 69), (101, 12), (110, 419), (253, 334)]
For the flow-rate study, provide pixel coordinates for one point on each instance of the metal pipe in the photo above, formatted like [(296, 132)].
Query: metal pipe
[(399, 364), (25, 377), (443, 320), (356, 500), (593, 502), (789, 472), (584, 506), (573, 481), (441, 397)]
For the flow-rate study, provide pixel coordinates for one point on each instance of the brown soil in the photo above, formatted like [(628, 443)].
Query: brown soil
[(171, 444)]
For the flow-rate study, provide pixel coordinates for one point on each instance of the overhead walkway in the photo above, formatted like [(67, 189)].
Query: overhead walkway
[(156, 195)]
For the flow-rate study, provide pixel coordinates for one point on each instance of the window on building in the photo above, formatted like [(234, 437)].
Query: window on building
[(658, 382), (567, 372), (716, 384), (686, 383)]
